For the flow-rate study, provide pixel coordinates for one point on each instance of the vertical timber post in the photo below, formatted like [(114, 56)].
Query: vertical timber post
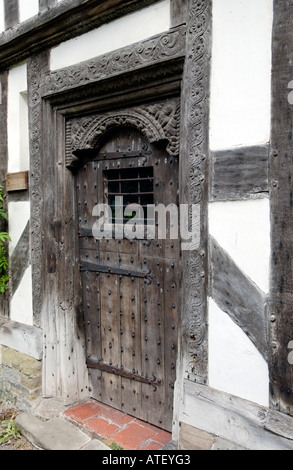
[(36, 65), (4, 301), (194, 150), (281, 193), (11, 11)]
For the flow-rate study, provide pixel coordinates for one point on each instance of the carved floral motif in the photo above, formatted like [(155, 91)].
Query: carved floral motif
[(157, 122), (194, 148), (158, 49)]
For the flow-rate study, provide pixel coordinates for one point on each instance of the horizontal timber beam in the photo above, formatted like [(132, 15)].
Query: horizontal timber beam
[(240, 173), (68, 19), (243, 422)]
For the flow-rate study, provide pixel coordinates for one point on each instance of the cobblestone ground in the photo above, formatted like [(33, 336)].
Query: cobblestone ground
[(7, 414)]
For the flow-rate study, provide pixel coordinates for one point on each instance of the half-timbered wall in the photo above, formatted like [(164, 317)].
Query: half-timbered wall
[(218, 56), (240, 349), (239, 225), (19, 204)]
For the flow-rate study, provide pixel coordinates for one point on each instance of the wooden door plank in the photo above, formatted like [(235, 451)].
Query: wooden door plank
[(130, 344), (92, 314), (172, 309), (110, 338), (152, 346)]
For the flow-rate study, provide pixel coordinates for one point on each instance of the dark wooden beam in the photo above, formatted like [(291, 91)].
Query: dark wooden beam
[(281, 177), (101, 75), (178, 12), (238, 296), (45, 4), (240, 173), (37, 65), (194, 148), (3, 125), (11, 13), (55, 25), (4, 300)]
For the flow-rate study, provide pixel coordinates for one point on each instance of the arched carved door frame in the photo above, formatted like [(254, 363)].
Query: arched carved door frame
[(158, 122)]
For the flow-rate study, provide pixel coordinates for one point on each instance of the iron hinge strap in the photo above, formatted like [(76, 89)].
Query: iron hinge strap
[(99, 268), (124, 373)]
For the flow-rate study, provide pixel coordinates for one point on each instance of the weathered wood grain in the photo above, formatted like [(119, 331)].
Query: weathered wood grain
[(24, 338), (36, 65), (45, 4), (281, 176), (280, 424), (17, 181), (132, 318), (178, 12), (193, 184), (240, 173), (238, 296), (234, 419), (4, 299)]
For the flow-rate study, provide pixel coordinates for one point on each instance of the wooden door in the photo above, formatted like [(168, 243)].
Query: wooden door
[(130, 286)]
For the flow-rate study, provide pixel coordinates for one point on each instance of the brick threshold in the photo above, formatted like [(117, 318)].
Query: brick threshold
[(118, 429)]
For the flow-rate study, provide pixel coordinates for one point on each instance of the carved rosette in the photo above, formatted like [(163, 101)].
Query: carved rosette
[(157, 122)]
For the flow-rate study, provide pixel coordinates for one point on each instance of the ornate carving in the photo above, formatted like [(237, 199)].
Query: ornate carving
[(161, 48), (157, 122), (193, 150), (36, 65)]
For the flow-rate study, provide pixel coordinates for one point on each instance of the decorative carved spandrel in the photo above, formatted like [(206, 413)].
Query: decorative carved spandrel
[(157, 122)]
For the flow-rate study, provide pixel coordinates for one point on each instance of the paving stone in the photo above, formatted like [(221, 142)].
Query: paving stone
[(49, 408), (83, 412), (95, 444), (133, 436), (54, 434), (102, 428)]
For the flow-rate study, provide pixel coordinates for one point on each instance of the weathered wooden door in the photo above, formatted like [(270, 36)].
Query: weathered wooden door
[(130, 286)]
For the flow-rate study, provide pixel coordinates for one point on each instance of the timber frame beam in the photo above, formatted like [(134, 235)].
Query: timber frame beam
[(281, 195), (66, 20)]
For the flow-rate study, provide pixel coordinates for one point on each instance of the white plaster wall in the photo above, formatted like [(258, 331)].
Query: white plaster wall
[(21, 309), (235, 365), (2, 23), (18, 132), (19, 215), (21, 305), (122, 32), (242, 228), (241, 73), (27, 9)]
